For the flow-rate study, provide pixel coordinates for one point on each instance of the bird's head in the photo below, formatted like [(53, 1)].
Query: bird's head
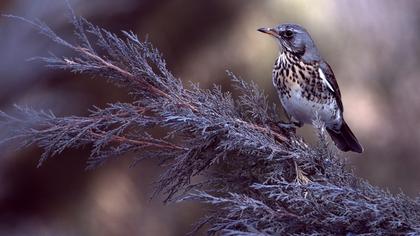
[(293, 38)]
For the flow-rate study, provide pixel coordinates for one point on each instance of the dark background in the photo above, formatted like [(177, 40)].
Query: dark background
[(373, 47)]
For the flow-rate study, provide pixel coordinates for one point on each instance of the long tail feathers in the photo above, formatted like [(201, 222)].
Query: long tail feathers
[(344, 139)]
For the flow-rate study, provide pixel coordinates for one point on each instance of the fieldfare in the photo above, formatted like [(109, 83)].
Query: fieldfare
[(307, 86)]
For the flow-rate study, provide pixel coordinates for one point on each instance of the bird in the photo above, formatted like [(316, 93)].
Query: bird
[(307, 87)]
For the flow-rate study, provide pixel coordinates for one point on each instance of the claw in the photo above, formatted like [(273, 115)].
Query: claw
[(297, 124), (290, 125)]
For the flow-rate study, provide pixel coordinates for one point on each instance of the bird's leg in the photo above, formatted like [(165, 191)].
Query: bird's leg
[(292, 124), (287, 125)]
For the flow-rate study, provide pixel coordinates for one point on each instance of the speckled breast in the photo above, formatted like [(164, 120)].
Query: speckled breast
[(303, 93)]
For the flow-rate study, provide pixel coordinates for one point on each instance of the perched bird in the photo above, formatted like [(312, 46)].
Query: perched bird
[(307, 86)]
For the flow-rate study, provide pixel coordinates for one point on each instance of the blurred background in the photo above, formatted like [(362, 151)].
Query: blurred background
[(372, 46)]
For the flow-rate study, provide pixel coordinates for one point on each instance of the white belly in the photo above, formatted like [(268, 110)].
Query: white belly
[(305, 111)]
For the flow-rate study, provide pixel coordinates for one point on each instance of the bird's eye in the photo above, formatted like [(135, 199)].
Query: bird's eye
[(288, 33)]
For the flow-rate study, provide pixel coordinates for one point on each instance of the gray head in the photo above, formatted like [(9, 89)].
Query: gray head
[(295, 39)]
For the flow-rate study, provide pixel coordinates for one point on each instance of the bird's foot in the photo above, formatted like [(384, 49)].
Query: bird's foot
[(290, 125)]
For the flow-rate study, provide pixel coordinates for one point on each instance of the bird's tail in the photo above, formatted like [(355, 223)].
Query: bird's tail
[(344, 139)]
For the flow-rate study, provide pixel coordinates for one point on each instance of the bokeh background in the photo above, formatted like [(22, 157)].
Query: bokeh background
[(372, 46)]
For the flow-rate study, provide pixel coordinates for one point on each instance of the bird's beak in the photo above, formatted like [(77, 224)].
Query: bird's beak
[(269, 31)]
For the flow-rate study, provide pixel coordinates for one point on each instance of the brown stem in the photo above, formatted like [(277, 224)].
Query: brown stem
[(121, 139), (120, 70)]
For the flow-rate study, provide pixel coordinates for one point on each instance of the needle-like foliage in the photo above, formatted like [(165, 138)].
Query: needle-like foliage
[(260, 179)]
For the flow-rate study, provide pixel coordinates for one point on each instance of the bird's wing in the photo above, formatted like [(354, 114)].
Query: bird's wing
[(331, 82)]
